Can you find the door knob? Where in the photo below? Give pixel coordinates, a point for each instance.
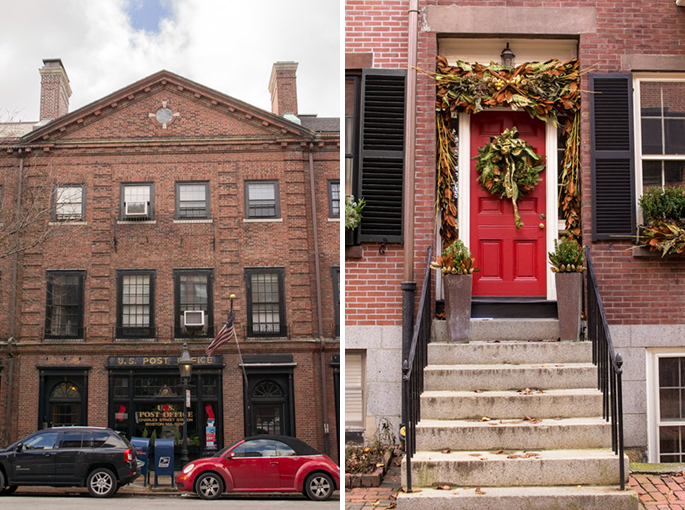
(542, 226)
(542, 216)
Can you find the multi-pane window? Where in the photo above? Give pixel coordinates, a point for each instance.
(137, 202)
(671, 409)
(192, 200)
(261, 199)
(265, 301)
(193, 289)
(64, 310)
(662, 125)
(135, 317)
(69, 203)
(351, 131)
(334, 199)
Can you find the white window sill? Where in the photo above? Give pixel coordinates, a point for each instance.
(144, 222)
(334, 220)
(199, 220)
(55, 223)
(262, 220)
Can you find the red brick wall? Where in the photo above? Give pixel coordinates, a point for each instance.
(635, 291)
(212, 141)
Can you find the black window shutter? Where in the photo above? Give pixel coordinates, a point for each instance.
(382, 154)
(613, 167)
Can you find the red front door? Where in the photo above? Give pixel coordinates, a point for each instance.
(512, 262)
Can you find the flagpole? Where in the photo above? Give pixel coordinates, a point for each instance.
(240, 354)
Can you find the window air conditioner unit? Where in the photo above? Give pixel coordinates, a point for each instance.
(194, 318)
(136, 209)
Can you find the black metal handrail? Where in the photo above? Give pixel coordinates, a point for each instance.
(609, 364)
(412, 369)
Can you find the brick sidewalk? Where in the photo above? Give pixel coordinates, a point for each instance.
(660, 492)
(656, 492)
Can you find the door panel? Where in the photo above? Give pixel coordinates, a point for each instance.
(512, 261)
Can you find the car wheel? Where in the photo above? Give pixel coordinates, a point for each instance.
(2, 482)
(101, 483)
(209, 486)
(319, 487)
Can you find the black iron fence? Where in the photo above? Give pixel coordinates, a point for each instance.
(608, 362)
(412, 369)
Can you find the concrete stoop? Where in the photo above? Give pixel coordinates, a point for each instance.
(513, 420)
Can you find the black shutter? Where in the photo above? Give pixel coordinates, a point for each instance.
(382, 154)
(613, 168)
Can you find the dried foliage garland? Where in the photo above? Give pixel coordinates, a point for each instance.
(544, 89)
(509, 167)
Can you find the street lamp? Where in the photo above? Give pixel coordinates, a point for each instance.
(185, 367)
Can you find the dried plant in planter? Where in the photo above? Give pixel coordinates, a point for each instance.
(664, 213)
(567, 256)
(455, 259)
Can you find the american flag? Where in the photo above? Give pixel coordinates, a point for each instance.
(224, 335)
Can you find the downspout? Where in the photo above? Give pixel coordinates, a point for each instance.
(319, 315)
(13, 304)
(408, 283)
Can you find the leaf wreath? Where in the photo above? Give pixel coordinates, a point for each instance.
(509, 167)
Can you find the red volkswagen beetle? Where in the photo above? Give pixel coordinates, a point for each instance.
(262, 464)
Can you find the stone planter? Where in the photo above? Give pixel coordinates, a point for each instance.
(458, 305)
(569, 304)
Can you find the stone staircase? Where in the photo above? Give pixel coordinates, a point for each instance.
(513, 420)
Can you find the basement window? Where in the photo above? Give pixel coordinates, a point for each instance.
(671, 408)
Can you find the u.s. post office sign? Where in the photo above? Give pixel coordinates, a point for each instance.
(161, 361)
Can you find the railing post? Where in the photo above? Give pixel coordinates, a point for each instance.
(619, 416)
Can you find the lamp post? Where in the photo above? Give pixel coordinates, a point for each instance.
(185, 367)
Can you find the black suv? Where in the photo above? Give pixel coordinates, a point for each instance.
(93, 457)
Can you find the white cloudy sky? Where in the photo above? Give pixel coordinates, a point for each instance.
(227, 45)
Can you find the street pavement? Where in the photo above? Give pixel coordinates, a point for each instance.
(665, 491)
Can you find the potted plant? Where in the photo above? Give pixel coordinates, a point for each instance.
(353, 216)
(664, 215)
(567, 263)
(456, 264)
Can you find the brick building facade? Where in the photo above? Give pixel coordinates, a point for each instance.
(643, 295)
(165, 197)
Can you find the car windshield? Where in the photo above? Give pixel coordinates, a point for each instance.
(225, 449)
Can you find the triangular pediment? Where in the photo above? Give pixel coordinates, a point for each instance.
(165, 106)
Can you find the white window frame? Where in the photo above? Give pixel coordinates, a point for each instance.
(352, 385)
(653, 401)
(58, 194)
(638, 78)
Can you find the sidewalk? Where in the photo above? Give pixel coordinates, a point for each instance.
(656, 492)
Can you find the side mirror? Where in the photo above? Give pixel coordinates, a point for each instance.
(19, 448)
(230, 455)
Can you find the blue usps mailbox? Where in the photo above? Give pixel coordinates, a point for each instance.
(164, 459)
(142, 446)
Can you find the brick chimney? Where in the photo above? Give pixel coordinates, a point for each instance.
(283, 88)
(54, 90)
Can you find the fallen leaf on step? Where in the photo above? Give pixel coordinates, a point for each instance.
(475, 454)
(535, 421)
(375, 503)
(579, 486)
(498, 452)
(558, 365)
(557, 419)
(513, 456)
(391, 505)
(478, 391)
(466, 488)
(447, 450)
(527, 418)
(493, 423)
(455, 492)
(444, 488)
(379, 464)
(480, 491)
(485, 418)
